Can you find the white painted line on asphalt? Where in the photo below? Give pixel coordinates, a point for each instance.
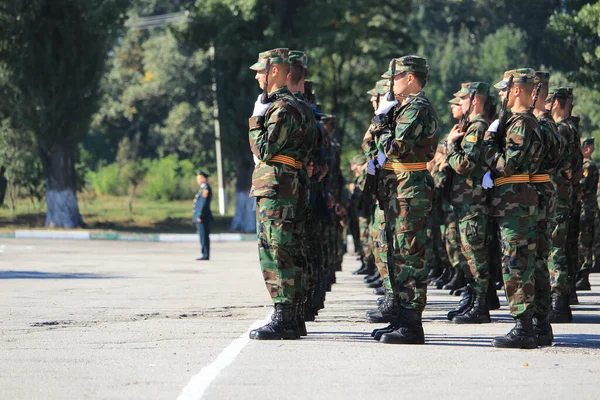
(199, 383)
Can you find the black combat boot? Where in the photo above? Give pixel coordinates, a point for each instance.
(443, 279)
(434, 273)
(299, 313)
(379, 291)
(408, 331)
(583, 283)
(309, 313)
(521, 336)
(479, 313)
(573, 299)
(363, 270)
(380, 300)
(463, 305)
(492, 297)
(457, 281)
(561, 312)
(375, 284)
(282, 326)
(371, 278)
(543, 331)
(385, 312)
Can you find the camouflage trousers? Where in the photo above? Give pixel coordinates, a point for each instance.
(380, 247)
(406, 221)
(572, 247)
(365, 238)
(314, 253)
(453, 244)
(586, 238)
(518, 239)
(546, 214)
(354, 227)
(557, 265)
(275, 228)
(299, 244)
(472, 227)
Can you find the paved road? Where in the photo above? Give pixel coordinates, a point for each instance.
(117, 320)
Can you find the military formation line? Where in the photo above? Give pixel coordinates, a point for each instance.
(506, 200)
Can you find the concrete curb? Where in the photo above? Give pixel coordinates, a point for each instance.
(125, 236)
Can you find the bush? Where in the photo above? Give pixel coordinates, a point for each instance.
(107, 180)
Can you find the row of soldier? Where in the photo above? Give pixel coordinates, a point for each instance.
(512, 184)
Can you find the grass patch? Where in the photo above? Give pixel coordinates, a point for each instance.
(112, 213)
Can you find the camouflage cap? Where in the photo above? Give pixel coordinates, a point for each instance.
(455, 101)
(298, 57)
(381, 87)
(557, 92)
(542, 77)
(587, 141)
(569, 92)
(407, 64)
(469, 87)
(520, 75)
(358, 159)
(276, 56)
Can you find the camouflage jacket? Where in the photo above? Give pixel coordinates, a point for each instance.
(280, 132)
(575, 150)
(555, 147)
(307, 153)
(410, 137)
(466, 158)
(589, 185)
(521, 156)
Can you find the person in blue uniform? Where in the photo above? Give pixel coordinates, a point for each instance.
(202, 215)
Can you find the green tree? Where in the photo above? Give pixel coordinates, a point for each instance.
(54, 52)
(580, 34)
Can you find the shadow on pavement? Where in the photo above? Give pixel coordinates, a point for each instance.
(52, 275)
(577, 341)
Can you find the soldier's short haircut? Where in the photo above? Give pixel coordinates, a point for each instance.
(526, 87)
(297, 73)
(562, 102)
(489, 109)
(421, 77)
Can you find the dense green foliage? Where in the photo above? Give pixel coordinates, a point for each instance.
(152, 126)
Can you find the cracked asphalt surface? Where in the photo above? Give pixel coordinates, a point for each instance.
(132, 320)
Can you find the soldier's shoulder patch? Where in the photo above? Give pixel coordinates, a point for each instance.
(205, 193)
(585, 173)
(471, 138)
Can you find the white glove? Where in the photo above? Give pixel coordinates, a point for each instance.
(494, 126)
(488, 182)
(256, 160)
(371, 167)
(259, 108)
(381, 158)
(385, 106)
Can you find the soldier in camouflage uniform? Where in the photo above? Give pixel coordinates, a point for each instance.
(514, 204)
(556, 103)
(589, 212)
(572, 249)
(357, 166)
(466, 158)
(303, 274)
(276, 132)
(385, 311)
(551, 165)
(405, 144)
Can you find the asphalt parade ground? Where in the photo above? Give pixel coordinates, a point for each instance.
(135, 320)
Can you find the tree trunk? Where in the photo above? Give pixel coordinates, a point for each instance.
(61, 198)
(244, 219)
